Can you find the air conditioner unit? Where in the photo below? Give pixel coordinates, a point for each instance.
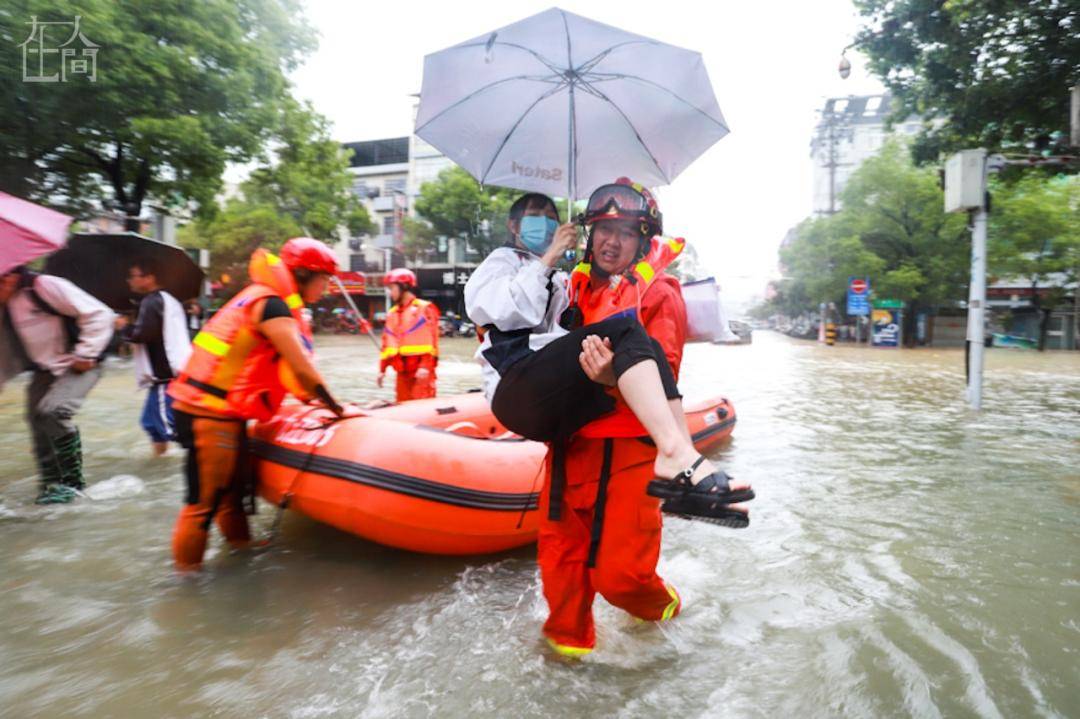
(355, 245)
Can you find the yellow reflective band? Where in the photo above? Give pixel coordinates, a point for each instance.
(568, 651)
(645, 270)
(675, 244)
(272, 259)
(584, 268)
(294, 301)
(211, 344)
(669, 610)
(417, 349)
(388, 352)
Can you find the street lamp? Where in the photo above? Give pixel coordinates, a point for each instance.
(844, 68)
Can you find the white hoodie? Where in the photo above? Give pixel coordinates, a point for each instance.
(510, 290)
(43, 335)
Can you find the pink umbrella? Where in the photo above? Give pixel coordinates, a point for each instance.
(28, 231)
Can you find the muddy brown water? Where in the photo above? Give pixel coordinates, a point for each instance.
(907, 557)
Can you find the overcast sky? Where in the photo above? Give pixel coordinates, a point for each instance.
(772, 63)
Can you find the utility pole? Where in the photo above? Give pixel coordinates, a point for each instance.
(835, 127)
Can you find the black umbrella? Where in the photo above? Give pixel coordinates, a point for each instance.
(100, 264)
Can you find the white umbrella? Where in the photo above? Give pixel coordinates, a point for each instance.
(561, 104)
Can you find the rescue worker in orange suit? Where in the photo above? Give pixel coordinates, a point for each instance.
(600, 530)
(410, 339)
(256, 349)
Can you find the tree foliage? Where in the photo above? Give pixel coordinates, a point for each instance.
(304, 191)
(181, 89)
(456, 205)
(892, 228)
(996, 72)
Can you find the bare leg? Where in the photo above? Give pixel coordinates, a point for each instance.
(643, 391)
(160, 448)
(680, 418)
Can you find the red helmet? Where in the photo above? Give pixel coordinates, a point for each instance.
(308, 254)
(401, 276)
(625, 200)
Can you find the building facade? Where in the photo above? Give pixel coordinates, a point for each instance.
(849, 130)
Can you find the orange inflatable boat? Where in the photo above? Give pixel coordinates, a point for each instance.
(439, 476)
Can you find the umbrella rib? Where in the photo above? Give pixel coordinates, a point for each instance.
(633, 129)
(514, 128)
(571, 160)
(605, 76)
(548, 64)
(474, 93)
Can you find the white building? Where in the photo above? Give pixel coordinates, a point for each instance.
(850, 130)
(380, 170)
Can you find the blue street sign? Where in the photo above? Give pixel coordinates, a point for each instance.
(858, 296)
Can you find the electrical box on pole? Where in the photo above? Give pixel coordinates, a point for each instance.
(965, 180)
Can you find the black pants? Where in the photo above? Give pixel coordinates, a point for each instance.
(546, 396)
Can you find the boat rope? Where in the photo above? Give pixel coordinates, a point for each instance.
(286, 497)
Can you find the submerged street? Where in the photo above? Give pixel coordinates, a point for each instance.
(903, 552)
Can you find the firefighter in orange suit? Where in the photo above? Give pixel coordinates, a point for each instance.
(410, 340)
(606, 537)
(255, 350)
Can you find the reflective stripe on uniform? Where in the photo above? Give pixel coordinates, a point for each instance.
(388, 352)
(417, 349)
(645, 270)
(294, 301)
(211, 344)
(670, 609)
(568, 651)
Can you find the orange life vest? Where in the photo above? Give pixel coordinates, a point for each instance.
(410, 331)
(233, 369)
(621, 298)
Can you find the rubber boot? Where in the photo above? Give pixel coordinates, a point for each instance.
(69, 457)
(53, 490)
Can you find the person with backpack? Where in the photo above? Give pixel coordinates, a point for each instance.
(63, 332)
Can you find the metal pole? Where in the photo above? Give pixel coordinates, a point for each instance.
(976, 323)
(349, 300)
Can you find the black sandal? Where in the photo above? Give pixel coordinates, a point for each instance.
(701, 494)
(720, 514)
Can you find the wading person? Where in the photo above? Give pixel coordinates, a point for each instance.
(162, 347)
(600, 531)
(410, 339)
(63, 332)
(248, 356)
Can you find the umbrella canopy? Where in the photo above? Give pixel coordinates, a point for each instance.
(99, 264)
(28, 231)
(561, 104)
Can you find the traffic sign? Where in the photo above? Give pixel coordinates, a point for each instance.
(858, 296)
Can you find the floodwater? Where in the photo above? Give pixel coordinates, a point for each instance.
(907, 557)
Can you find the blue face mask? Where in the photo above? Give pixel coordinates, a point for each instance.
(536, 232)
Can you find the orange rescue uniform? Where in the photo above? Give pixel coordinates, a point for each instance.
(234, 374)
(410, 342)
(608, 459)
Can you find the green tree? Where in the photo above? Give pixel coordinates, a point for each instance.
(1035, 234)
(310, 180)
(456, 205)
(897, 212)
(892, 228)
(420, 238)
(306, 191)
(233, 233)
(181, 89)
(997, 72)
